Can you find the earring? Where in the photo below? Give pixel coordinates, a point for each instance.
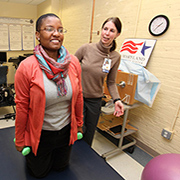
(38, 39)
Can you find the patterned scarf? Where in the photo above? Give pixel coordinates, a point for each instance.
(55, 71)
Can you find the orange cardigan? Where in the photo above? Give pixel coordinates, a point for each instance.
(30, 102)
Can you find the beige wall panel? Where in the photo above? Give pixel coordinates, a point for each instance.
(164, 62)
(76, 18)
(16, 10)
(44, 7)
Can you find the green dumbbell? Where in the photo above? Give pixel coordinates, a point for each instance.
(25, 151)
(79, 135)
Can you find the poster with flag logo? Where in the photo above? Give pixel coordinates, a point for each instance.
(137, 50)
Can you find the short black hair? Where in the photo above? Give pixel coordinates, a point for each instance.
(40, 19)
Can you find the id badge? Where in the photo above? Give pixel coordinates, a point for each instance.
(106, 65)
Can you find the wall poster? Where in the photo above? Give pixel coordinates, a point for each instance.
(16, 34)
(4, 41)
(137, 50)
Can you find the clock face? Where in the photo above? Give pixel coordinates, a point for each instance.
(158, 25)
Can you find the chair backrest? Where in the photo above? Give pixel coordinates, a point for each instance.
(3, 74)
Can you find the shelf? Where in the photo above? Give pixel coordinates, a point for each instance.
(127, 133)
(109, 108)
(107, 120)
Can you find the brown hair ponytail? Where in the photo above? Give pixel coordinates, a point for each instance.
(118, 25)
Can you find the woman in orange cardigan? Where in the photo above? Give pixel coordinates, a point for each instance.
(49, 103)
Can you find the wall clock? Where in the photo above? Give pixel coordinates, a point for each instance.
(158, 25)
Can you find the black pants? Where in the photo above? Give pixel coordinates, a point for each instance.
(53, 153)
(91, 111)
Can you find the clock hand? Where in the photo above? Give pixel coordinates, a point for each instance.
(158, 26)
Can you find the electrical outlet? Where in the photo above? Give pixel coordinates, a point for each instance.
(167, 133)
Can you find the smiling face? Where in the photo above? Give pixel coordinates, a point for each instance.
(51, 41)
(109, 33)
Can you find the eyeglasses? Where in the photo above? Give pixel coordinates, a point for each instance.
(52, 30)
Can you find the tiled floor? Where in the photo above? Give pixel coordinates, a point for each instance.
(124, 163)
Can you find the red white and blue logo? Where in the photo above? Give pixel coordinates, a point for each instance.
(137, 50)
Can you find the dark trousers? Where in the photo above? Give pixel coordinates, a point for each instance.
(53, 153)
(91, 112)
